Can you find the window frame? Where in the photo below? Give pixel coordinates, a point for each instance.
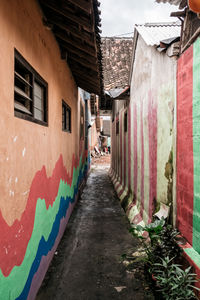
(36, 78)
(67, 107)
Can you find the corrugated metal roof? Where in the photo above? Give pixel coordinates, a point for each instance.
(173, 2)
(153, 33)
(181, 3)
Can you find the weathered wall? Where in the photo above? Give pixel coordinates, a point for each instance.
(188, 150)
(106, 127)
(142, 156)
(41, 167)
(94, 136)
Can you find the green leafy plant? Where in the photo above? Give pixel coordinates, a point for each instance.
(153, 229)
(167, 245)
(173, 282)
(162, 251)
(162, 239)
(151, 239)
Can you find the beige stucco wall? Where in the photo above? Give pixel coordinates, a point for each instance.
(25, 146)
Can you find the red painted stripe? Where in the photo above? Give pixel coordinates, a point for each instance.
(152, 121)
(142, 160)
(129, 148)
(42, 187)
(135, 152)
(185, 172)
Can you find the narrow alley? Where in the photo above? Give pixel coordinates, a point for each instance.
(87, 264)
(100, 143)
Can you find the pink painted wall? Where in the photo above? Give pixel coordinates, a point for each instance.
(185, 144)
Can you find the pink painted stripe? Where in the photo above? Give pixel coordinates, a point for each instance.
(120, 123)
(152, 120)
(117, 152)
(129, 207)
(121, 192)
(125, 133)
(142, 160)
(115, 147)
(129, 148)
(135, 153)
(117, 186)
(137, 219)
(112, 147)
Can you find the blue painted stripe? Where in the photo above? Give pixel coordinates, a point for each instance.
(46, 246)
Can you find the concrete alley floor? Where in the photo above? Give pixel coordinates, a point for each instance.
(87, 264)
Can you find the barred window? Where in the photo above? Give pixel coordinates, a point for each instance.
(66, 117)
(30, 92)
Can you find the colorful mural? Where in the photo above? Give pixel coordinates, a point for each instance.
(29, 244)
(133, 161)
(188, 148)
(140, 154)
(142, 157)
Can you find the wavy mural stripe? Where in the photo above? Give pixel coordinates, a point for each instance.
(45, 260)
(48, 214)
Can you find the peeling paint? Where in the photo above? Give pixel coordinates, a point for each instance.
(169, 175)
(25, 193)
(11, 193)
(23, 152)
(15, 139)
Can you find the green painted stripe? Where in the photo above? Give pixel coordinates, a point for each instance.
(194, 255)
(196, 145)
(12, 286)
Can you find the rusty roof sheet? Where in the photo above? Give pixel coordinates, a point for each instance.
(117, 54)
(153, 33)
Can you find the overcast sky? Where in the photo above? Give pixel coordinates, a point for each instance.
(119, 16)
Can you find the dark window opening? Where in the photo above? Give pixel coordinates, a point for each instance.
(117, 127)
(81, 122)
(125, 122)
(66, 117)
(30, 92)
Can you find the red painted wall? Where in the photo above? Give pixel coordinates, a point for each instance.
(185, 144)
